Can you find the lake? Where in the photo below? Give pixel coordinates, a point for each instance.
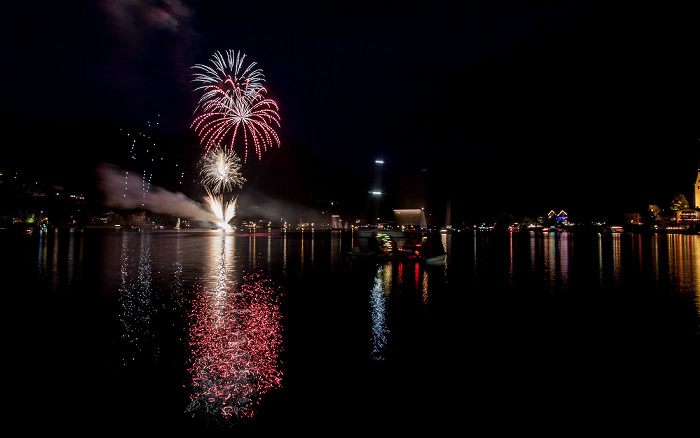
(201, 330)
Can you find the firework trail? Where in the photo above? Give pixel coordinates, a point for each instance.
(233, 105)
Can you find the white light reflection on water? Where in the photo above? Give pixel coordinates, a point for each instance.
(180, 251)
(71, 259)
(41, 266)
(335, 249)
(64, 269)
(269, 251)
(135, 292)
(600, 260)
(301, 257)
(234, 340)
(54, 262)
(617, 256)
(313, 248)
(377, 301)
(556, 260)
(447, 247)
(284, 253)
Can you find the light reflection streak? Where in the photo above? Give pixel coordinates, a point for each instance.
(41, 265)
(533, 253)
(695, 269)
(284, 253)
(312, 248)
(556, 260)
(178, 265)
(135, 299)
(617, 256)
(416, 272)
(54, 263)
(600, 259)
(235, 340)
(377, 303)
(70, 261)
(64, 268)
(335, 249)
(684, 265)
(447, 247)
(475, 252)
(301, 257)
(563, 261)
(549, 249)
(510, 269)
(252, 253)
(269, 250)
(655, 257)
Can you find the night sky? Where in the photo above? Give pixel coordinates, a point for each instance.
(564, 103)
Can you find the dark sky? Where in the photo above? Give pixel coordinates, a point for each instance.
(583, 95)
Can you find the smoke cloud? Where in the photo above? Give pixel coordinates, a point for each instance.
(124, 190)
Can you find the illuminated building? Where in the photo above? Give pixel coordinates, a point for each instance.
(561, 217)
(697, 190)
(335, 221)
(410, 218)
(633, 218)
(685, 216)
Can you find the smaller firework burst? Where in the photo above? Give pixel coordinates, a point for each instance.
(221, 172)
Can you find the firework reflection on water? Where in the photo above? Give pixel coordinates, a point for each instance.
(234, 339)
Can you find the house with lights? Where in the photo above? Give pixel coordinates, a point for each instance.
(561, 218)
(679, 219)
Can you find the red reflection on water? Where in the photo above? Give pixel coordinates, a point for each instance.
(417, 275)
(235, 339)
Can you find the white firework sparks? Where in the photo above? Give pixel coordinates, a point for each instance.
(227, 79)
(222, 209)
(221, 171)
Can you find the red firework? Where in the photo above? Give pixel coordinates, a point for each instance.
(233, 105)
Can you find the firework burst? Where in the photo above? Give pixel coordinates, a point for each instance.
(221, 171)
(227, 79)
(224, 124)
(233, 105)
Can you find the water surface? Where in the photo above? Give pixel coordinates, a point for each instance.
(204, 330)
